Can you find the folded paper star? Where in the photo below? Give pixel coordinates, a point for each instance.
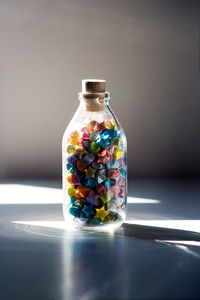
(88, 210)
(101, 213)
(90, 172)
(92, 198)
(81, 191)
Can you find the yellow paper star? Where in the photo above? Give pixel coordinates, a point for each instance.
(101, 213)
(118, 153)
(90, 172)
(110, 124)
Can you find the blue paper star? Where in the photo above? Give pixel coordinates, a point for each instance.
(88, 210)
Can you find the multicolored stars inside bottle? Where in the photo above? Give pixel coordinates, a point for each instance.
(94, 162)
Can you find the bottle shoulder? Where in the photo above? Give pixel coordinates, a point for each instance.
(81, 118)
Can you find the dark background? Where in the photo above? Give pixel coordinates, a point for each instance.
(147, 50)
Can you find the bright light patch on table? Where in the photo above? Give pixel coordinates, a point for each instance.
(136, 200)
(188, 243)
(27, 194)
(189, 225)
(48, 224)
(63, 225)
(183, 246)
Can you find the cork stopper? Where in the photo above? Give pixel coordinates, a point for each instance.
(93, 93)
(93, 86)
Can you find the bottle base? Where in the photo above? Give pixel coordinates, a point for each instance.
(78, 224)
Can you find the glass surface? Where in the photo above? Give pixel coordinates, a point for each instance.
(94, 166)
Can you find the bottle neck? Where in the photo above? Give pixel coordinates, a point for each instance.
(94, 102)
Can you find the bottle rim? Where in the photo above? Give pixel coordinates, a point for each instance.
(94, 96)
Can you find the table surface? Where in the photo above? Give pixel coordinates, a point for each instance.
(154, 255)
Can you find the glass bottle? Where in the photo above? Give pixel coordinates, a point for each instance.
(94, 151)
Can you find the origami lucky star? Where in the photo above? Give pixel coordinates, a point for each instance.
(90, 172)
(88, 210)
(101, 213)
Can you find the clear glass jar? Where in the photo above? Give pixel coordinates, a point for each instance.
(94, 150)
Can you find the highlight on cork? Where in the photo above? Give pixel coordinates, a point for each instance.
(93, 86)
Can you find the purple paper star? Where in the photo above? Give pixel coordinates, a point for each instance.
(92, 198)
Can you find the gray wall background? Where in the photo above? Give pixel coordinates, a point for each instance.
(148, 51)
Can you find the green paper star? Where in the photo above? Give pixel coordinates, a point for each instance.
(106, 198)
